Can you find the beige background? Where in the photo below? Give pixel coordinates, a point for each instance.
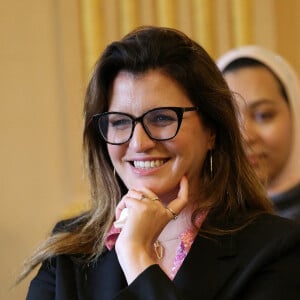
(47, 49)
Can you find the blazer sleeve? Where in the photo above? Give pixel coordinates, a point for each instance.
(43, 285)
(56, 279)
(48, 282)
(152, 284)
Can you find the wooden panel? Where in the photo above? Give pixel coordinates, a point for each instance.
(288, 30)
(242, 12)
(203, 19)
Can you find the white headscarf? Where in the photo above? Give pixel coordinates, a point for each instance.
(290, 80)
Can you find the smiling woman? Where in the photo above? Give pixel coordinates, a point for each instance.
(172, 190)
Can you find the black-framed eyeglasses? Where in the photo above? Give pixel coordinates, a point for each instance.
(160, 124)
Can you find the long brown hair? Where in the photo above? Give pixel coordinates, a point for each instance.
(232, 193)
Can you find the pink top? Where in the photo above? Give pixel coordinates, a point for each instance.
(187, 238)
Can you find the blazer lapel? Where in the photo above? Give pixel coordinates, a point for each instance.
(212, 260)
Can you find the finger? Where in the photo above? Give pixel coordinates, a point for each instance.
(148, 194)
(178, 204)
(132, 195)
(139, 195)
(121, 205)
(172, 212)
(184, 188)
(124, 203)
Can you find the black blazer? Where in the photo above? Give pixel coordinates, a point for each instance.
(260, 262)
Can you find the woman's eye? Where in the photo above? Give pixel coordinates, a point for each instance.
(161, 119)
(120, 123)
(264, 116)
(164, 118)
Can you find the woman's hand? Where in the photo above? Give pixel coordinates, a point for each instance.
(146, 219)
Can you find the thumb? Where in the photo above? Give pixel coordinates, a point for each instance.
(178, 204)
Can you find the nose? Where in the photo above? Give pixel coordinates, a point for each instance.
(140, 141)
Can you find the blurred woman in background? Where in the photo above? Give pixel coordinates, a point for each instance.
(267, 91)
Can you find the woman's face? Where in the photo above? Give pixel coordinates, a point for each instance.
(157, 165)
(265, 120)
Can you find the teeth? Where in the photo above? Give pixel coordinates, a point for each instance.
(147, 164)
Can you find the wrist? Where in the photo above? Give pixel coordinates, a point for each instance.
(134, 261)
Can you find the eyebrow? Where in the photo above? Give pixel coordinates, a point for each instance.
(262, 101)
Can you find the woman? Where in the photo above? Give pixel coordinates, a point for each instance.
(268, 95)
(177, 211)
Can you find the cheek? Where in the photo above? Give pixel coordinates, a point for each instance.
(115, 152)
(192, 150)
(110, 150)
(279, 150)
(277, 145)
(278, 135)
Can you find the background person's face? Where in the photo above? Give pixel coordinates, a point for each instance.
(166, 161)
(265, 120)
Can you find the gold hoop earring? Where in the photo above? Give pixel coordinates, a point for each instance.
(114, 172)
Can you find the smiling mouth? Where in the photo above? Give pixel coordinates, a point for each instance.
(148, 164)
